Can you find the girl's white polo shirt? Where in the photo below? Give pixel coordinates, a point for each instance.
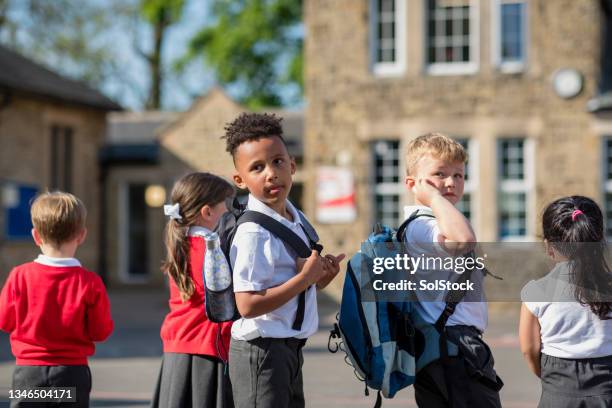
(567, 328)
(259, 261)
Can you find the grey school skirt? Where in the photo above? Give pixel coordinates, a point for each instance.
(576, 383)
(192, 381)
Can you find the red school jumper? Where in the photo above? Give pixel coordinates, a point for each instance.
(54, 314)
(186, 328)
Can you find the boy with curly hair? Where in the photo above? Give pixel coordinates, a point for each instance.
(266, 346)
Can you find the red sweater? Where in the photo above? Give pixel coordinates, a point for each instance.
(54, 314)
(186, 328)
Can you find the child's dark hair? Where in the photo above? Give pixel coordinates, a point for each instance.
(574, 227)
(191, 193)
(251, 126)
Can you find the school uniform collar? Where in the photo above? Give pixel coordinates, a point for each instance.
(57, 262)
(256, 205)
(198, 231)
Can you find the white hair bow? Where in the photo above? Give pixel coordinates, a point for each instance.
(172, 211)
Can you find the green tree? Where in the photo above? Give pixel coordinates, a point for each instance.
(66, 35)
(254, 46)
(160, 14)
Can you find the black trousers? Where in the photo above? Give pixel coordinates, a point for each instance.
(466, 381)
(53, 376)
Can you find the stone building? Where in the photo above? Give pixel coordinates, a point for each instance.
(50, 131)
(523, 84)
(145, 153)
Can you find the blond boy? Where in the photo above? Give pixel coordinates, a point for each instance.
(53, 308)
(435, 175)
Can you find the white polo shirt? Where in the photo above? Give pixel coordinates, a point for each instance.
(567, 328)
(260, 260)
(425, 230)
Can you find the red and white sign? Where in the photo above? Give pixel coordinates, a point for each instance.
(335, 196)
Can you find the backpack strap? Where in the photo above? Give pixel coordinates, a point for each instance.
(282, 232)
(290, 239)
(310, 232)
(401, 231)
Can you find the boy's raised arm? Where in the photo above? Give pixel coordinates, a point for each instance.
(457, 234)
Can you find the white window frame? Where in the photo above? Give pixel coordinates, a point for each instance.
(605, 181)
(455, 68)
(518, 186)
(388, 188)
(398, 67)
(508, 67)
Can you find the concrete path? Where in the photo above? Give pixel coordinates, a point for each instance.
(125, 367)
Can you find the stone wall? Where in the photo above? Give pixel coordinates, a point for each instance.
(348, 106)
(25, 137)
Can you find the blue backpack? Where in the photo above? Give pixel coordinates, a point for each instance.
(387, 343)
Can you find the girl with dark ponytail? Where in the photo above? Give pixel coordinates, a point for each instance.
(566, 318)
(195, 349)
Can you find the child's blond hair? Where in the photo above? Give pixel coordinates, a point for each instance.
(438, 145)
(58, 216)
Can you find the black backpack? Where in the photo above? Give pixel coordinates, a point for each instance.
(226, 229)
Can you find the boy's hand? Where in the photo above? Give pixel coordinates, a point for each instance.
(299, 264)
(332, 267)
(312, 268)
(425, 191)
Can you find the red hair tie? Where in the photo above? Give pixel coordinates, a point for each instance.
(575, 214)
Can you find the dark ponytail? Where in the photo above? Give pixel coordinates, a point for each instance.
(191, 193)
(574, 227)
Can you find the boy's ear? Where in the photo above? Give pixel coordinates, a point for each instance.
(293, 165)
(36, 237)
(82, 235)
(410, 182)
(238, 181)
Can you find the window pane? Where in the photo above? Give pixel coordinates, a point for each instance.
(609, 214)
(512, 31)
(512, 159)
(385, 41)
(448, 30)
(387, 209)
(513, 214)
(387, 171)
(61, 159)
(609, 158)
(137, 231)
(466, 145)
(464, 205)
(386, 160)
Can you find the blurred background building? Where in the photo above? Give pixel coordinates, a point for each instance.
(50, 131)
(525, 86)
(144, 154)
